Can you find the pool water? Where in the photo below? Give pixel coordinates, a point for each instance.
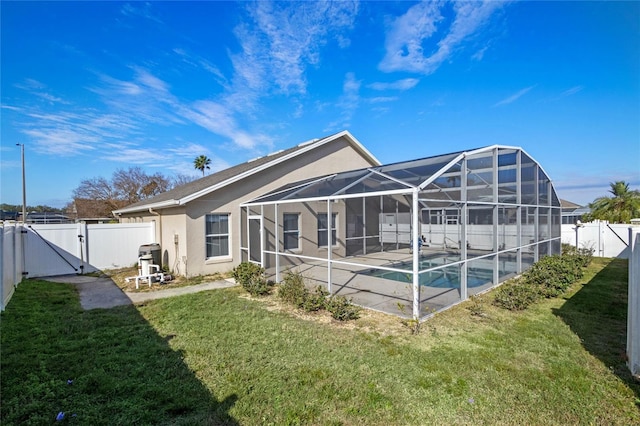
(438, 279)
(441, 278)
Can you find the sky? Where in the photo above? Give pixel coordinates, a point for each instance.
(92, 87)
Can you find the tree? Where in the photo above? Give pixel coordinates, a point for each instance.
(180, 179)
(125, 187)
(202, 162)
(133, 184)
(619, 208)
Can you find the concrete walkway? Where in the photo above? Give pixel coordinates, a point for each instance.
(102, 292)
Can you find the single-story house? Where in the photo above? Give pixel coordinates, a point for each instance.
(572, 212)
(199, 224)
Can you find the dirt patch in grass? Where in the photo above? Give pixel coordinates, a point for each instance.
(374, 322)
(119, 276)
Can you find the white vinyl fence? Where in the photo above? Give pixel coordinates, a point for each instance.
(633, 317)
(58, 249)
(607, 240)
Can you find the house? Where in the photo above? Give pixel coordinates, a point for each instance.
(89, 211)
(199, 224)
(572, 212)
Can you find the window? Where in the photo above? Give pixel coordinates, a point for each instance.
(217, 235)
(323, 227)
(291, 230)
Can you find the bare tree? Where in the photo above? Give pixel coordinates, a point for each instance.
(180, 179)
(98, 189)
(127, 186)
(133, 184)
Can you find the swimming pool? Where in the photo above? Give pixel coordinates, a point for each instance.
(448, 277)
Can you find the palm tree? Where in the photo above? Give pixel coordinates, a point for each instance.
(619, 208)
(202, 162)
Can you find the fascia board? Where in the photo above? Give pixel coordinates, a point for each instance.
(158, 205)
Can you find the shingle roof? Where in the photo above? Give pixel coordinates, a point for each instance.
(185, 193)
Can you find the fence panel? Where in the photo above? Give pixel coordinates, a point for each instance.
(11, 261)
(607, 240)
(633, 316)
(52, 250)
(59, 249)
(116, 245)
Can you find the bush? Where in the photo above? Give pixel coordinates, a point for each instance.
(516, 295)
(551, 276)
(292, 289)
(251, 277)
(258, 286)
(316, 300)
(554, 274)
(342, 309)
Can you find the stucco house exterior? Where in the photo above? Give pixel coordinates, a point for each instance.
(199, 225)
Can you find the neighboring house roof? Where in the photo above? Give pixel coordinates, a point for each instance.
(567, 205)
(84, 208)
(198, 188)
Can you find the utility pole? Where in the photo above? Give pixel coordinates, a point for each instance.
(24, 186)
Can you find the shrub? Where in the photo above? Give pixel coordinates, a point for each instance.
(292, 289)
(554, 274)
(258, 286)
(315, 300)
(342, 309)
(516, 295)
(251, 277)
(583, 255)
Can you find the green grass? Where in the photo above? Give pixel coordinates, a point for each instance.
(219, 357)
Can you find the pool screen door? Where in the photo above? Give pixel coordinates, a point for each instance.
(255, 239)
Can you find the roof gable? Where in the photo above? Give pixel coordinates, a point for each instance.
(200, 187)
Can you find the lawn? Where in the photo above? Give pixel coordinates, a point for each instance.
(220, 357)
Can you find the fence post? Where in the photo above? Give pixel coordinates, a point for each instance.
(2, 274)
(633, 316)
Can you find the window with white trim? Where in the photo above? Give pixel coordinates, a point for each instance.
(323, 228)
(217, 234)
(291, 231)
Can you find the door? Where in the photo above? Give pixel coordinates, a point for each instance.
(255, 239)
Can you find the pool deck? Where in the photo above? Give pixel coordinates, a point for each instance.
(386, 295)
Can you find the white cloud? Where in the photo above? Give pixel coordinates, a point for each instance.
(348, 103)
(285, 38)
(404, 84)
(407, 34)
(572, 91)
(514, 97)
(39, 89)
(381, 99)
(140, 9)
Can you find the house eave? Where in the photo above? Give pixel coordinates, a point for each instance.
(146, 207)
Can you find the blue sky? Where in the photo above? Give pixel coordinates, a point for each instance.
(92, 87)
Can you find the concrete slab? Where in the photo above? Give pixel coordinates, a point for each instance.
(102, 292)
(95, 292)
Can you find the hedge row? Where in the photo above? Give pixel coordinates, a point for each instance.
(294, 291)
(551, 276)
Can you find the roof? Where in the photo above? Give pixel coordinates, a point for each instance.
(568, 204)
(200, 187)
(430, 174)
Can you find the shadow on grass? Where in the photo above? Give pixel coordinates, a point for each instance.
(597, 313)
(104, 366)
